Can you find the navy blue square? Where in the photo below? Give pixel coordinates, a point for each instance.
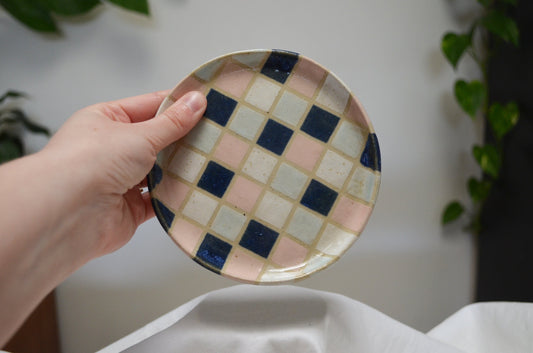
(213, 251)
(279, 65)
(258, 238)
(274, 137)
(164, 215)
(320, 124)
(371, 156)
(215, 179)
(219, 107)
(319, 197)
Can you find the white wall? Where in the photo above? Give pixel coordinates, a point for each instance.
(386, 51)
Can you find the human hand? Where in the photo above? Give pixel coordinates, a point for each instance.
(80, 197)
(113, 146)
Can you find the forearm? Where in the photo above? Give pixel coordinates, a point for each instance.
(35, 254)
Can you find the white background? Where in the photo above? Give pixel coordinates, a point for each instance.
(405, 264)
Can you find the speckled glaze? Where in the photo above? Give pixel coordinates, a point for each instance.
(280, 176)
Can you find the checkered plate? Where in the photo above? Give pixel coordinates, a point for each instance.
(279, 177)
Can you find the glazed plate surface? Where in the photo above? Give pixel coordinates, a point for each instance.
(279, 177)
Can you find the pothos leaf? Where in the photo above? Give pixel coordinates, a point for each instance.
(488, 159)
(454, 45)
(31, 13)
(478, 189)
(502, 26)
(69, 7)
(470, 95)
(503, 118)
(452, 211)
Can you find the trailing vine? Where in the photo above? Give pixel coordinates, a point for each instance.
(472, 97)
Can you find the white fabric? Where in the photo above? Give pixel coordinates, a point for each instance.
(292, 319)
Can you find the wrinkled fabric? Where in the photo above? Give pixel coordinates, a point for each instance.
(293, 319)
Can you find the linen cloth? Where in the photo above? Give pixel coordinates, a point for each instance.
(258, 319)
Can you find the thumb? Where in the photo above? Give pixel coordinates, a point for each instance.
(176, 121)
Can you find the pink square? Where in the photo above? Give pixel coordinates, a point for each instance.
(289, 253)
(357, 114)
(351, 214)
(304, 152)
(244, 193)
(171, 192)
(186, 235)
(231, 150)
(185, 86)
(234, 79)
(243, 266)
(306, 77)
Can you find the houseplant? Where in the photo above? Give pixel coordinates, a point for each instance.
(481, 41)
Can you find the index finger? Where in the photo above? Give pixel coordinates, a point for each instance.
(142, 107)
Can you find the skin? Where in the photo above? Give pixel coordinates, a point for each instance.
(80, 197)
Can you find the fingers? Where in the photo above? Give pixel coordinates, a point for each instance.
(138, 108)
(176, 121)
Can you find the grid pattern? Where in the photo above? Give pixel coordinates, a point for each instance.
(278, 179)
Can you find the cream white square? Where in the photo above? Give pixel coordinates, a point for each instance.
(334, 241)
(259, 165)
(247, 122)
(187, 164)
(207, 72)
(304, 225)
(273, 209)
(290, 108)
(262, 94)
(350, 139)
(228, 223)
(200, 207)
(333, 94)
(362, 184)
(252, 59)
(289, 181)
(334, 169)
(273, 274)
(317, 262)
(203, 136)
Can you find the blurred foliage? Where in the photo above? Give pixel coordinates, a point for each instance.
(40, 15)
(13, 121)
(472, 97)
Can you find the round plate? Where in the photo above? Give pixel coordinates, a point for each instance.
(279, 177)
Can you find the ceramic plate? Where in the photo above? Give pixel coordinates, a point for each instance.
(279, 177)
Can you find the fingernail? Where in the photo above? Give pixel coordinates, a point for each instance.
(194, 100)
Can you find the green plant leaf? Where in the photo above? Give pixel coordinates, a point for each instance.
(12, 94)
(10, 148)
(502, 26)
(453, 211)
(454, 45)
(503, 118)
(31, 13)
(69, 7)
(470, 95)
(488, 158)
(510, 2)
(140, 6)
(18, 115)
(478, 189)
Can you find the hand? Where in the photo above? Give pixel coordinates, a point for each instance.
(113, 146)
(80, 197)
